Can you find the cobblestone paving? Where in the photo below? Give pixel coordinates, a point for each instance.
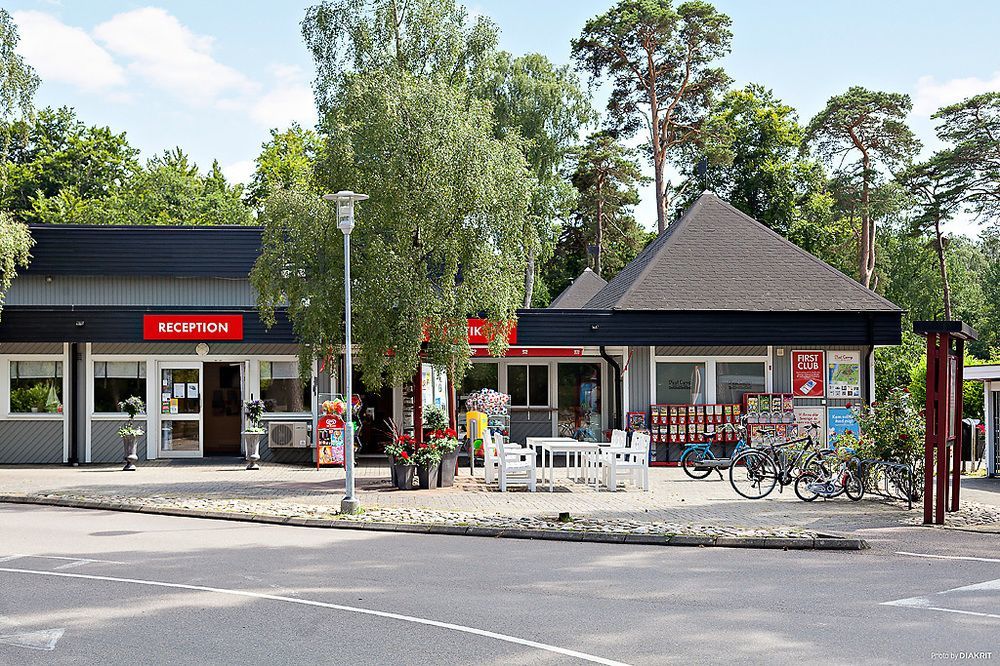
(673, 500)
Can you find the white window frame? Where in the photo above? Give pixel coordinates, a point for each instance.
(549, 383)
(253, 385)
(5, 413)
(711, 376)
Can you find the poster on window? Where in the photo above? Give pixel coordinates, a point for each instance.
(807, 374)
(843, 374)
(839, 421)
(811, 415)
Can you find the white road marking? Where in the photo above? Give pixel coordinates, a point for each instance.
(948, 557)
(71, 562)
(45, 639)
(321, 604)
(927, 602)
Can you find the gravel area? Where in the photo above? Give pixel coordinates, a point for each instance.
(970, 514)
(412, 516)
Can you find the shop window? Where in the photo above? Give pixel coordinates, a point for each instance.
(528, 385)
(36, 387)
(579, 390)
(281, 388)
(435, 386)
(735, 379)
(116, 381)
(480, 376)
(680, 383)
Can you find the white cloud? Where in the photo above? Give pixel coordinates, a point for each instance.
(289, 99)
(65, 54)
(239, 172)
(166, 54)
(932, 95)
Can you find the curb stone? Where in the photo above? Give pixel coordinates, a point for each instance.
(826, 542)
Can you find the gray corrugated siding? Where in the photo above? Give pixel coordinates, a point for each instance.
(730, 350)
(31, 348)
(23, 442)
(538, 425)
(638, 379)
(106, 445)
(98, 290)
(188, 348)
(782, 370)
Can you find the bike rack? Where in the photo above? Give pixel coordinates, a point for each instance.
(888, 471)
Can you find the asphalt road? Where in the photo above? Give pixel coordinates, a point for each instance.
(120, 588)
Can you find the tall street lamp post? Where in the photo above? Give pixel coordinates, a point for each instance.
(345, 222)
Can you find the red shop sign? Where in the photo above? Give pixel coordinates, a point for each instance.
(192, 327)
(532, 351)
(807, 374)
(478, 337)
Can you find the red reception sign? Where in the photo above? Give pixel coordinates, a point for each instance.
(808, 369)
(192, 327)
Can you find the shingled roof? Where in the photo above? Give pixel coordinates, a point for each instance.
(579, 291)
(716, 257)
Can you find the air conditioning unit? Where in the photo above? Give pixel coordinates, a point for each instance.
(288, 435)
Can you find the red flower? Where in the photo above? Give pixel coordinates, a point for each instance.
(849, 405)
(903, 436)
(404, 455)
(450, 433)
(906, 390)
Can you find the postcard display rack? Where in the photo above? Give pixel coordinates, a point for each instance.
(676, 426)
(771, 412)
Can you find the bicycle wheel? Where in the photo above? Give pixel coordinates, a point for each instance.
(690, 460)
(854, 487)
(816, 463)
(802, 486)
(753, 474)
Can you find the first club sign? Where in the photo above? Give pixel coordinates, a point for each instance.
(181, 327)
(808, 369)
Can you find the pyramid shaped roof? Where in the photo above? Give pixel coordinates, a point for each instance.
(579, 291)
(715, 257)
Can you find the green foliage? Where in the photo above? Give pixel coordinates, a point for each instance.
(972, 127)
(892, 428)
(29, 398)
(133, 406)
(439, 240)
(659, 60)
(15, 251)
(287, 161)
(435, 417)
(18, 83)
(972, 391)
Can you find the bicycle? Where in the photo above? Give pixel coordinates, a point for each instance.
(698, 461)
(755, 472)
(829, 483)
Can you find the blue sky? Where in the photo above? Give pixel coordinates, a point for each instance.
(213, 77)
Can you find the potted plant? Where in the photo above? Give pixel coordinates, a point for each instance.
(401, 452)
(428, 459)
(254, 432)
(447, 442)
(130, 432)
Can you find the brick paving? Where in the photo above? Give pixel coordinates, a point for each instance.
(672, 497)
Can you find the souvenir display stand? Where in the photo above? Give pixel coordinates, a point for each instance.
(675, 426)
(771, 412)
(331, 428)
(494, 405)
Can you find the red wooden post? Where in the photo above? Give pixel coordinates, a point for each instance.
(418, 405)
(956, 459)
(930, 441)
(941, 429)
(452, 404)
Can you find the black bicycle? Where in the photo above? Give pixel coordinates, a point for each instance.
(756, 472)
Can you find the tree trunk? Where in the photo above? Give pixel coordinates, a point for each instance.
(659, 161)
(600, 226)
(529, 277)
(866, 244)
(943, 268)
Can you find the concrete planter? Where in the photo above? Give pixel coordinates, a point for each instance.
(402, 475)
(251, 446)
(427, 477)
(129, 444)
(446, 476)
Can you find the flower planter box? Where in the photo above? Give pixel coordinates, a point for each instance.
(446, 475)
(427, 477)
(402, 475)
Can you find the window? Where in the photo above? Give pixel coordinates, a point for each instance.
(528, 385)
(680, 383)
(115, 381)
(480, 376)
(36, 386)
(281, 388)
(580, 401)
(735, 379)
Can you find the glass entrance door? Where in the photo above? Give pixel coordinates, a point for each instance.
(180, 410)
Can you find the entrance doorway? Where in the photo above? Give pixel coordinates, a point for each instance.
(223, 408)
(376, 409)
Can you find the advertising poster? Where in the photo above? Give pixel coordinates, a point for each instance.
(843, 374)
(180, 390)
(192, 390)
(807, 374)
(812, 415)
(839, 420)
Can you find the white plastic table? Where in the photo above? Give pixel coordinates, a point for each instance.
(567, 445)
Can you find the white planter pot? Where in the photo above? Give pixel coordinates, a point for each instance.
(129, 443)
(251, 446)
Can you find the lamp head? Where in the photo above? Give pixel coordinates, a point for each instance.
(345, 208)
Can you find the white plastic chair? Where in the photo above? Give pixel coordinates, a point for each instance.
(491, 453)
(629, 462)
(516, 463)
